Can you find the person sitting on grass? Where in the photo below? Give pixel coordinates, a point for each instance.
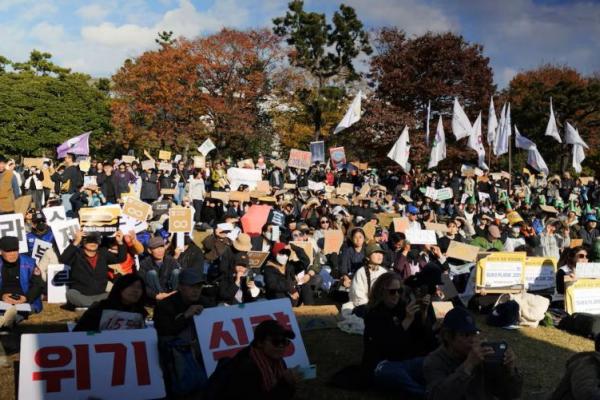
(159, 271)
(365, 278)
(89, 267)
(20, 281)
(123, 309)
(460, 369)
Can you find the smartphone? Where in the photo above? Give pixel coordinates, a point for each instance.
(309, 372)
(499, 351)
(15, 296)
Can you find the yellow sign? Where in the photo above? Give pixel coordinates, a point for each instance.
(583, 296)
(501, 272)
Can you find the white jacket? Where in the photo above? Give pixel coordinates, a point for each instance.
(196, 189)
(359, 290)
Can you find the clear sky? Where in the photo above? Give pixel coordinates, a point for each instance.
(96, 36)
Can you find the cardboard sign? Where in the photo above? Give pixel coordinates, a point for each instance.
(59, 276)
(128, 159)
(257, 258)
(576, 243)
(64, 232)
(136, 209)
(164, 155)
(206, 147)
(337, 155)
(289, 186)
(421, 236)
(441, 308)
(316, 186)
(54, 214)
(299, 159)
(344, 189)
(126, 224)
(400, 224)
(77, 365)
(540, 273)
(165, 166)
(307, 247)
(199, 162)
(171, 192)
(263, 186)
(14, 225)
(585, 180)
(317, 151)
(243, 176)
(239, 196)
(223, 196)
(247, 163)
(39, 249)
(333, 241)
(588, 270)
(436, 227)
(501, 272)
(33, 162)
(148, 165)
(223, 331)
(103, 219)
(85, 165)
(583, 296)
(369, 228)
(444, 194)
(462, 251)
(549, 209)
(22, 204)
(180, 220)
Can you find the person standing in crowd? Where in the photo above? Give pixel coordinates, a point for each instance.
(197, 192)
(9, 187)
(89, 267)
(458, 369)
(122, 179)
(71, 181)
(150, 187)
(159, 271)
(34, 186)
(106, 183)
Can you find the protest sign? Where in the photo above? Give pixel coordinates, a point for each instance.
(136, 209)
(223, 196)
(344, 189)
(430, 192)
(289, 186)
(199, 162)
(369, 228)
(59, 275)
(436, 227)
(223, 331)
(441, 308)
(180, 220)
(64, 232)
(444, 194)
(126, 224)
(85, 165)
(333, 241)
(164, 155)
(299, 159)
(337, 156)
(540, 273)
(400, 224)
(103, 219)
(263, 186)
(90, 181)
(165, 166)
(14, 225)
(575, 243)
(257, 258)
(39, 248)
(548, 209)
(247, 163)
(54, 214)
(316, 186)
(206, 147)
(583, 296)
(128, 159)
(74, 365)
(22, 204)
(483, 196)
(317, 151)
(501, 272)
(148, 165)
(588, 270)
(462, 251)
(421, 236)
(304, 245)
(243, 176)
(276, 218)
(585, 180)
(33, 162)
(239, 196)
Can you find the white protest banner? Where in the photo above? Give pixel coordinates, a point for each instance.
(500, 272)
(483, 196)
(540, 273)
(444, 194)
(206, 147)
(59, 276)
(54, 214)
(430, 192)
(14, 225)
(79, 365)
(583, 296)
(588, 270)
(148, 165)
(464, 198)
(39, 248)
(316, 186)
(223, 331)
(90, 181)
(64, 232)
(127, 224)
(421, 236)
(243, 176)
(299, 159)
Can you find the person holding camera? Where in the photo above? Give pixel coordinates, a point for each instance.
(465, 368)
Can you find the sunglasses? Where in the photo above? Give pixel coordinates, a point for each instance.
(582, 255)
(325, 222)
(280, 342)
(394, 291)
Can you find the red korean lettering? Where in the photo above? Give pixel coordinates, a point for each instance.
(141, 363)
(53, 357)
(218, 334)
(240, 328)
(82, 364)
(119, 360)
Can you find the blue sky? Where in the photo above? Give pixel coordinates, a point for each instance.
(96, 36)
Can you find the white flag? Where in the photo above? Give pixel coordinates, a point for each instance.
(438, 150)
(427, 123)
(551, 128)
(401, 149)
(352, 115)
(578, 157)
(476, 142)
(534, 158)
(504, 132)
(461, 126)
(206, 147)
(492, 123)
(572, 136)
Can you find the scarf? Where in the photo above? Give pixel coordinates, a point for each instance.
(270, 370)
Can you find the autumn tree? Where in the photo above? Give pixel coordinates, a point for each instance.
(325, 53)
(575, 99)
(409, 72)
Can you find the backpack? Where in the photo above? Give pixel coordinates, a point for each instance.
(504, 314)
(582, 324)
(183, 373)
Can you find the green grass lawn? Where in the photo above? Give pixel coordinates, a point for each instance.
(541, 353)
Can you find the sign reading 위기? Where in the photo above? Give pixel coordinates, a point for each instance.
(77, 365)
(223, 331)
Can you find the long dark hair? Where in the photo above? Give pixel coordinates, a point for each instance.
(379, 287)
(123, 282)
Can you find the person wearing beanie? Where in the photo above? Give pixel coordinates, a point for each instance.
(365, 277)
(159, 271)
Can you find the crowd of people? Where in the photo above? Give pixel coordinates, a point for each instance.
(380, 277)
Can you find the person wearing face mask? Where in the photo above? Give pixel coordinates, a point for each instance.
(265, 241)
(39, 231)
(515, 238)
(365, 277)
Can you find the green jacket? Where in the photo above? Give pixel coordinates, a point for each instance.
(484, 244)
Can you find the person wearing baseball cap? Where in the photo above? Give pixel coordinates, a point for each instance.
(590, 232)
(39, 231)
(412, 213)
(21, 281)
(365, 277)
(491, 240)
(159, 271)
(459, 365)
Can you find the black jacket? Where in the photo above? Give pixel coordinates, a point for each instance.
(90, 320)
(164, 273)
(192, 257)
(149, 189)
(168, 314)
(87, 280)
(107, 186)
